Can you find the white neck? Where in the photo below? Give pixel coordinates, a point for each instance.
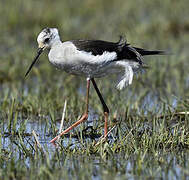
(55, 42)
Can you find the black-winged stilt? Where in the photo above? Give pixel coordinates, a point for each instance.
(92, 59)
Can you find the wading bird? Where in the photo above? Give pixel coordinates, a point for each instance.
(92, 59)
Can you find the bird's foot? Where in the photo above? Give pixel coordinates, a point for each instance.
(83, 118)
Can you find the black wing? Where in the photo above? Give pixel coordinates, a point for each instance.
(122, 49)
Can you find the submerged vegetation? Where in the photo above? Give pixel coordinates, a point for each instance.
(149, 120)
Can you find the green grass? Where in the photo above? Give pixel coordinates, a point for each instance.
(150, 139)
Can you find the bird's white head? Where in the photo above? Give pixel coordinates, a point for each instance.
(47, 37)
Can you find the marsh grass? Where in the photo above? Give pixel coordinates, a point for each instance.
(150, 138)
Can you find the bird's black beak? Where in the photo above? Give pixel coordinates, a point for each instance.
(39, 51)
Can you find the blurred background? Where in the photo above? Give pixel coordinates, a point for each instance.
(162, 25)
(149, 140)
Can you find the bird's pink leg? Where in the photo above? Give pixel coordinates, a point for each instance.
(105, 108)
(83, 118)
(105, 124)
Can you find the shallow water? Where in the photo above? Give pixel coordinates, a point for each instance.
(121, 164)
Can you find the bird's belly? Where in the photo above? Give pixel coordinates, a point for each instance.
(87, 69)
(92, 68)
